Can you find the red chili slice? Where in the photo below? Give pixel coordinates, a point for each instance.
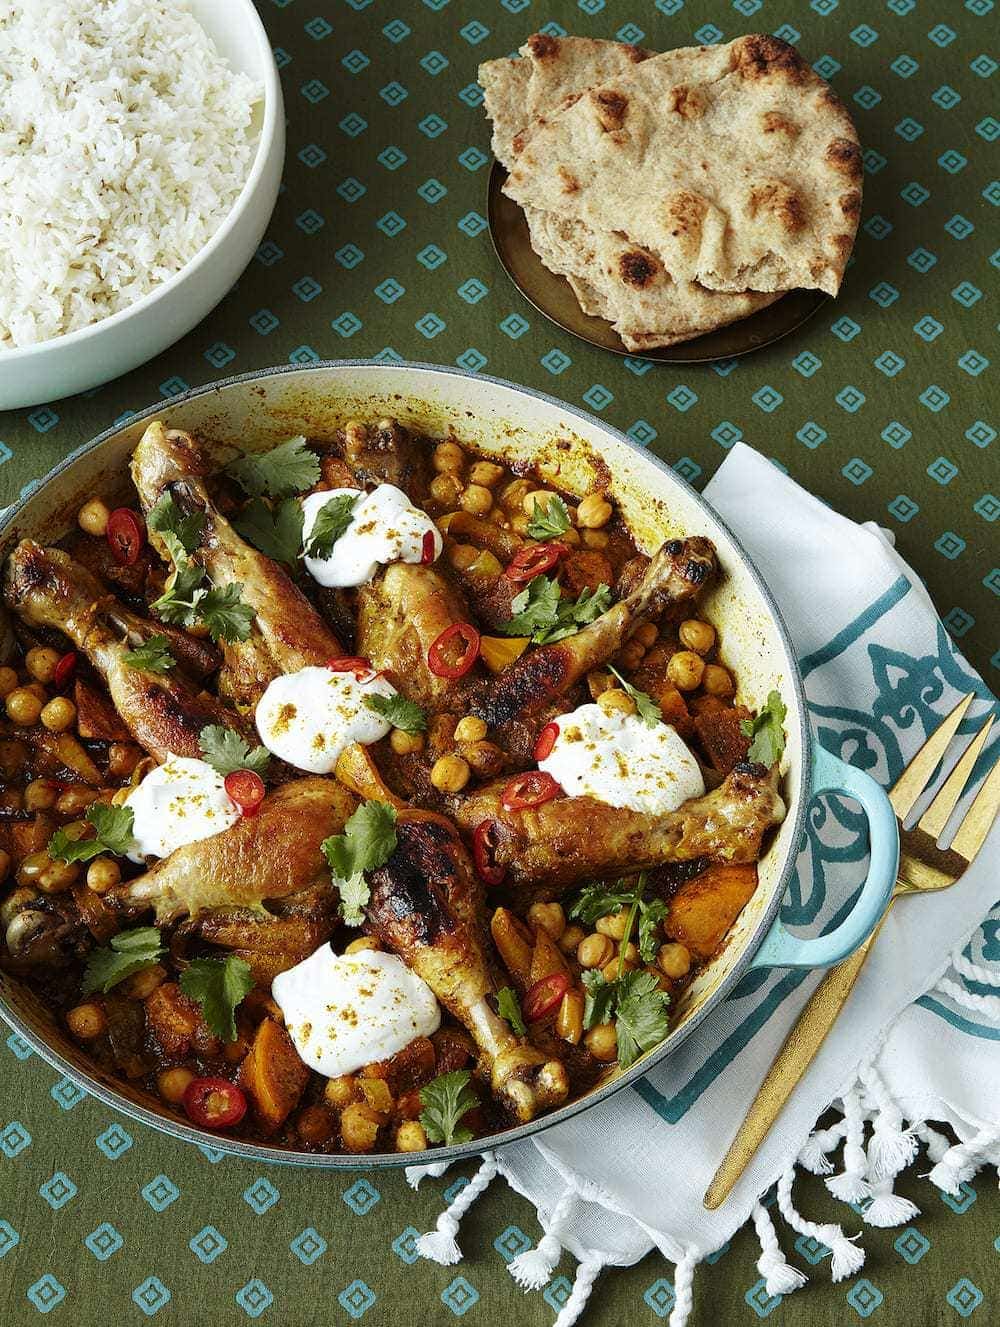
(353, 663)
(246, 789)
(543, 997)
(530, 562)
(428, 548)
(214, 1103)
(531, 789)
(483, 845)
(546, 741)
(64, 669)
(442, 661)
(126, 535)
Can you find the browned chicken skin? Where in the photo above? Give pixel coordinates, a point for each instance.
(426, 905)
(164, 712)
(549, 849)
(288, 632)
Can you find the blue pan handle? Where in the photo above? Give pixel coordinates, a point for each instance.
(783, 950)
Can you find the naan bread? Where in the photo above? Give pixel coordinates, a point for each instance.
(736, 166)
(611, 278)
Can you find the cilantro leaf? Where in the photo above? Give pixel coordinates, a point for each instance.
(128, 952)
(179, 602)
(226, 751)
(445, 1100)
(398, 711)
(166, 518)
(218, 986)
(284, 470)
(585, 609)
(112, 833)
(276, 532)
(766, 732)
(599, 998)
(330, 523)
(152, 656)
(595, 901)
(549, 521)
(509, 1007)
(225, 614)
(368, 841)
(651, 913)
(534, 609)
(641, 1015)
(649, 712)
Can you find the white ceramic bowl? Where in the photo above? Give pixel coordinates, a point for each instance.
(95, 354)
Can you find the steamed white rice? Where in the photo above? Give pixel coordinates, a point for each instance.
(125, 139)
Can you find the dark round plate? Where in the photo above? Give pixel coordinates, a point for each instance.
(552, 296)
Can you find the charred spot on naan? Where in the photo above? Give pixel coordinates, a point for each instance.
(611, 108)
(686, 212)
(542, 46)
(638, 268)
(773, 122)
(781, 201)
(570, 183)
(850, 205)
(689, 103)
(844, 156)
(758, 56)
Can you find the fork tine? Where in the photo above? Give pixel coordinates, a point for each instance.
(937, 814)
(971, 833)
(917, 775)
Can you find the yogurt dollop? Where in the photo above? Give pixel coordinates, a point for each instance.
(344, 1011)
(385, 527)
(619, 760)
(307, 718)
(179, 802)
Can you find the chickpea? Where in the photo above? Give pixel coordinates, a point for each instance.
(685, 669)
(537, 501)
(32, 866)
(611, 970)
(484, 758)
(406, 744)
(122, 759)
(613, 925)
(340, 1092)
(697, 636)
(519, 523)
(59, 714)
(8, 681)
(36, 689)
(16, 902)
(470, 729)
(41, 663)
(602, 1042)
(595, 539)
(40, 795)
(570, 538)
(144, 983)
(362, 943)
(674, 960)
(75, 799)
(103, 874)
(593, 512)
(4, 865)
(410, 1137)
(486, 473)
(476, 500)
(58, 877)
(462, 556)
(445, 489)
(598, 683)
(647, 634)
(93, 518)
(449, 458)
(173, 1083)
(594, 951)
(512, 495)
(316, 1125)
(616, 701)
(450, 774)
(549, 916)
(377, 1095)
(359, 1126)
(23, 707)
(86, 1021)
(569, 941)
(718, 681)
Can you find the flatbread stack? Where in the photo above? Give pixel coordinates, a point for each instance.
(677, 192)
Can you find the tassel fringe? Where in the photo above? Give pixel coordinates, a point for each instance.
(440, 1245)
(780, 1278)
(586, 1274)
(533, 1268)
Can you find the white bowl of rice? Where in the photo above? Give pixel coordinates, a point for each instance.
(141, 150)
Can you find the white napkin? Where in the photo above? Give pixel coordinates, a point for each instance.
(880, 672)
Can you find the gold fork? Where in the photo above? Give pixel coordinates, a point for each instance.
(922, 867)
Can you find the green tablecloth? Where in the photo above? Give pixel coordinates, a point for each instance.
(882, 405)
